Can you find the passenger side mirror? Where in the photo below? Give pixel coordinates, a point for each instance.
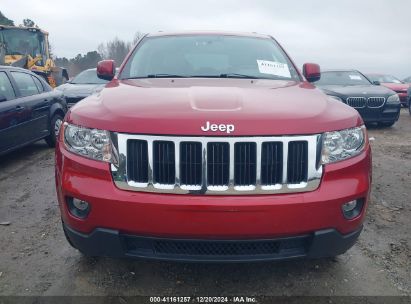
(376, 82)
(2, 98)
(106, 69)
(311, 72)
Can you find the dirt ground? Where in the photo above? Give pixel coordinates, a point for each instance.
(35, 258)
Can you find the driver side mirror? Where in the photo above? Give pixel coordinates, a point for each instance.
(106, 69)
(376, 82)
(2, 98)
(311, 72)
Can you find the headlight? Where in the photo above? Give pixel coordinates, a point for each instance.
(340, 145)
(393, 99)
(92, 143)
(335, 98)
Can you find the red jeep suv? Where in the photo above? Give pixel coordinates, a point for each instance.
(211, 146)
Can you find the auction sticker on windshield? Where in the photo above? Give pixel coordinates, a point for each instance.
(273, 68)
(355, 77)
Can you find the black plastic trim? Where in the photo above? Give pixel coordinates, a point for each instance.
(110, 243)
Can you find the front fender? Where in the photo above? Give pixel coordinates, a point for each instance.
(59, 105)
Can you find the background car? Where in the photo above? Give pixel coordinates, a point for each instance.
(392, 83)
(409, 99)
(407, 80)
(29, 109)
(376, 104)
(81, 86)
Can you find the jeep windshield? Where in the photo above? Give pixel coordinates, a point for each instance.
(343, 78)
(209, 56)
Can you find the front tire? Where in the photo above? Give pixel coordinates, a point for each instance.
(55, 125)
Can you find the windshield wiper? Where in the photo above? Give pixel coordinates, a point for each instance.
(165, 76)
(156, 76)
(84, 83)
(225, 75)
(235, 75)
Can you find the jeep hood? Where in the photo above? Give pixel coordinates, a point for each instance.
(182, 106)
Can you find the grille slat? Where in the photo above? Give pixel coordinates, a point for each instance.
(297, 162)
(164, 163)
(137, 165)
(245, 164)
(190, 164)
(218, 164)
(201, 165)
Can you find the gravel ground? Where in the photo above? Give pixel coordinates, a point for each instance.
(36, 259)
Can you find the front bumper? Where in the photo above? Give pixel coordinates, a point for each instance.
(112, 243)
(389, 113)
(403, 97)
(117, 213)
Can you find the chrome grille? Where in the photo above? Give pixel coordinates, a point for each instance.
(217, 165)
(375, 102)
(357, 102)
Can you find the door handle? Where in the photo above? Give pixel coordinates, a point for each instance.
(20, 109)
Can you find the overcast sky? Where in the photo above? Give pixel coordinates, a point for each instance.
(369, 35)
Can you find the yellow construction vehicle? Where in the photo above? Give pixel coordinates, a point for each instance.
(28, 47)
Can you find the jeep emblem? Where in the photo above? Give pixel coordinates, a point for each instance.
(215, 127)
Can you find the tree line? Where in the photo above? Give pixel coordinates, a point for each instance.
(115, 49)
(6, 21)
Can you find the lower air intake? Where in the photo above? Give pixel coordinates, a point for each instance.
(217, 249)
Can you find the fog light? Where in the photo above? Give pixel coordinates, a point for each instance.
(350, 206)
(79, 204)
(78, 207)
(352, 209)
